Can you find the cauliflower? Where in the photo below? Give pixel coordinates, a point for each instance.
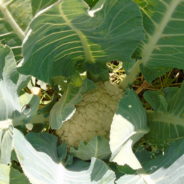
(93, 115)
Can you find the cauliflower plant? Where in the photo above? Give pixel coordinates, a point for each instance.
(93, 115)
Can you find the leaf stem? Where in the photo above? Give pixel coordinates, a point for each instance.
(132, 75)
(9, 18)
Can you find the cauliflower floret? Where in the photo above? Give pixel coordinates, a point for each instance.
(93, 115)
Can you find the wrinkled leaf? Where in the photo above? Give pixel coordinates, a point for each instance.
(65, 37)
(128, 126)
(40, 168)
(97, 147)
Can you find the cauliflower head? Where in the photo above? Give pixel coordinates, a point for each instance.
(93, 115)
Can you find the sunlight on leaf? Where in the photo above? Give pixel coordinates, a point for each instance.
(128, 126)
(40, 168)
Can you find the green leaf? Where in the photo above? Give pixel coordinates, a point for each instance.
(162, 169)
(8, 86)
(5, 150)
(29, 111)
(66, 36)
(6, 139)
(16, 177)
(22, 83)
(62, 152)
(97, 72)
(97, 147)
(163, 48)
(65, 107)
(14, 18)
(4, 173)
(21, 12)
(79, 165)
(166, 121)
(40, 168)
(11, 83)
(40, 142)
(128, 126)
(91, 3)
(38, 5)
(11, 176)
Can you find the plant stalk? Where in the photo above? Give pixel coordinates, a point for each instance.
(9, 18)
(131, 76)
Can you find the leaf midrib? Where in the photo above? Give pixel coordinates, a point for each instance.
(87, 51)
(164, 117)
(8, 17)
(149, 47)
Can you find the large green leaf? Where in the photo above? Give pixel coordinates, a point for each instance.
(8, 87)
(65, 37)
(14, 18)
(128, 126)
(166, 121)
(40, 168)
(38, 5)
(163, 48)
(97, 147)
(167, 168)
